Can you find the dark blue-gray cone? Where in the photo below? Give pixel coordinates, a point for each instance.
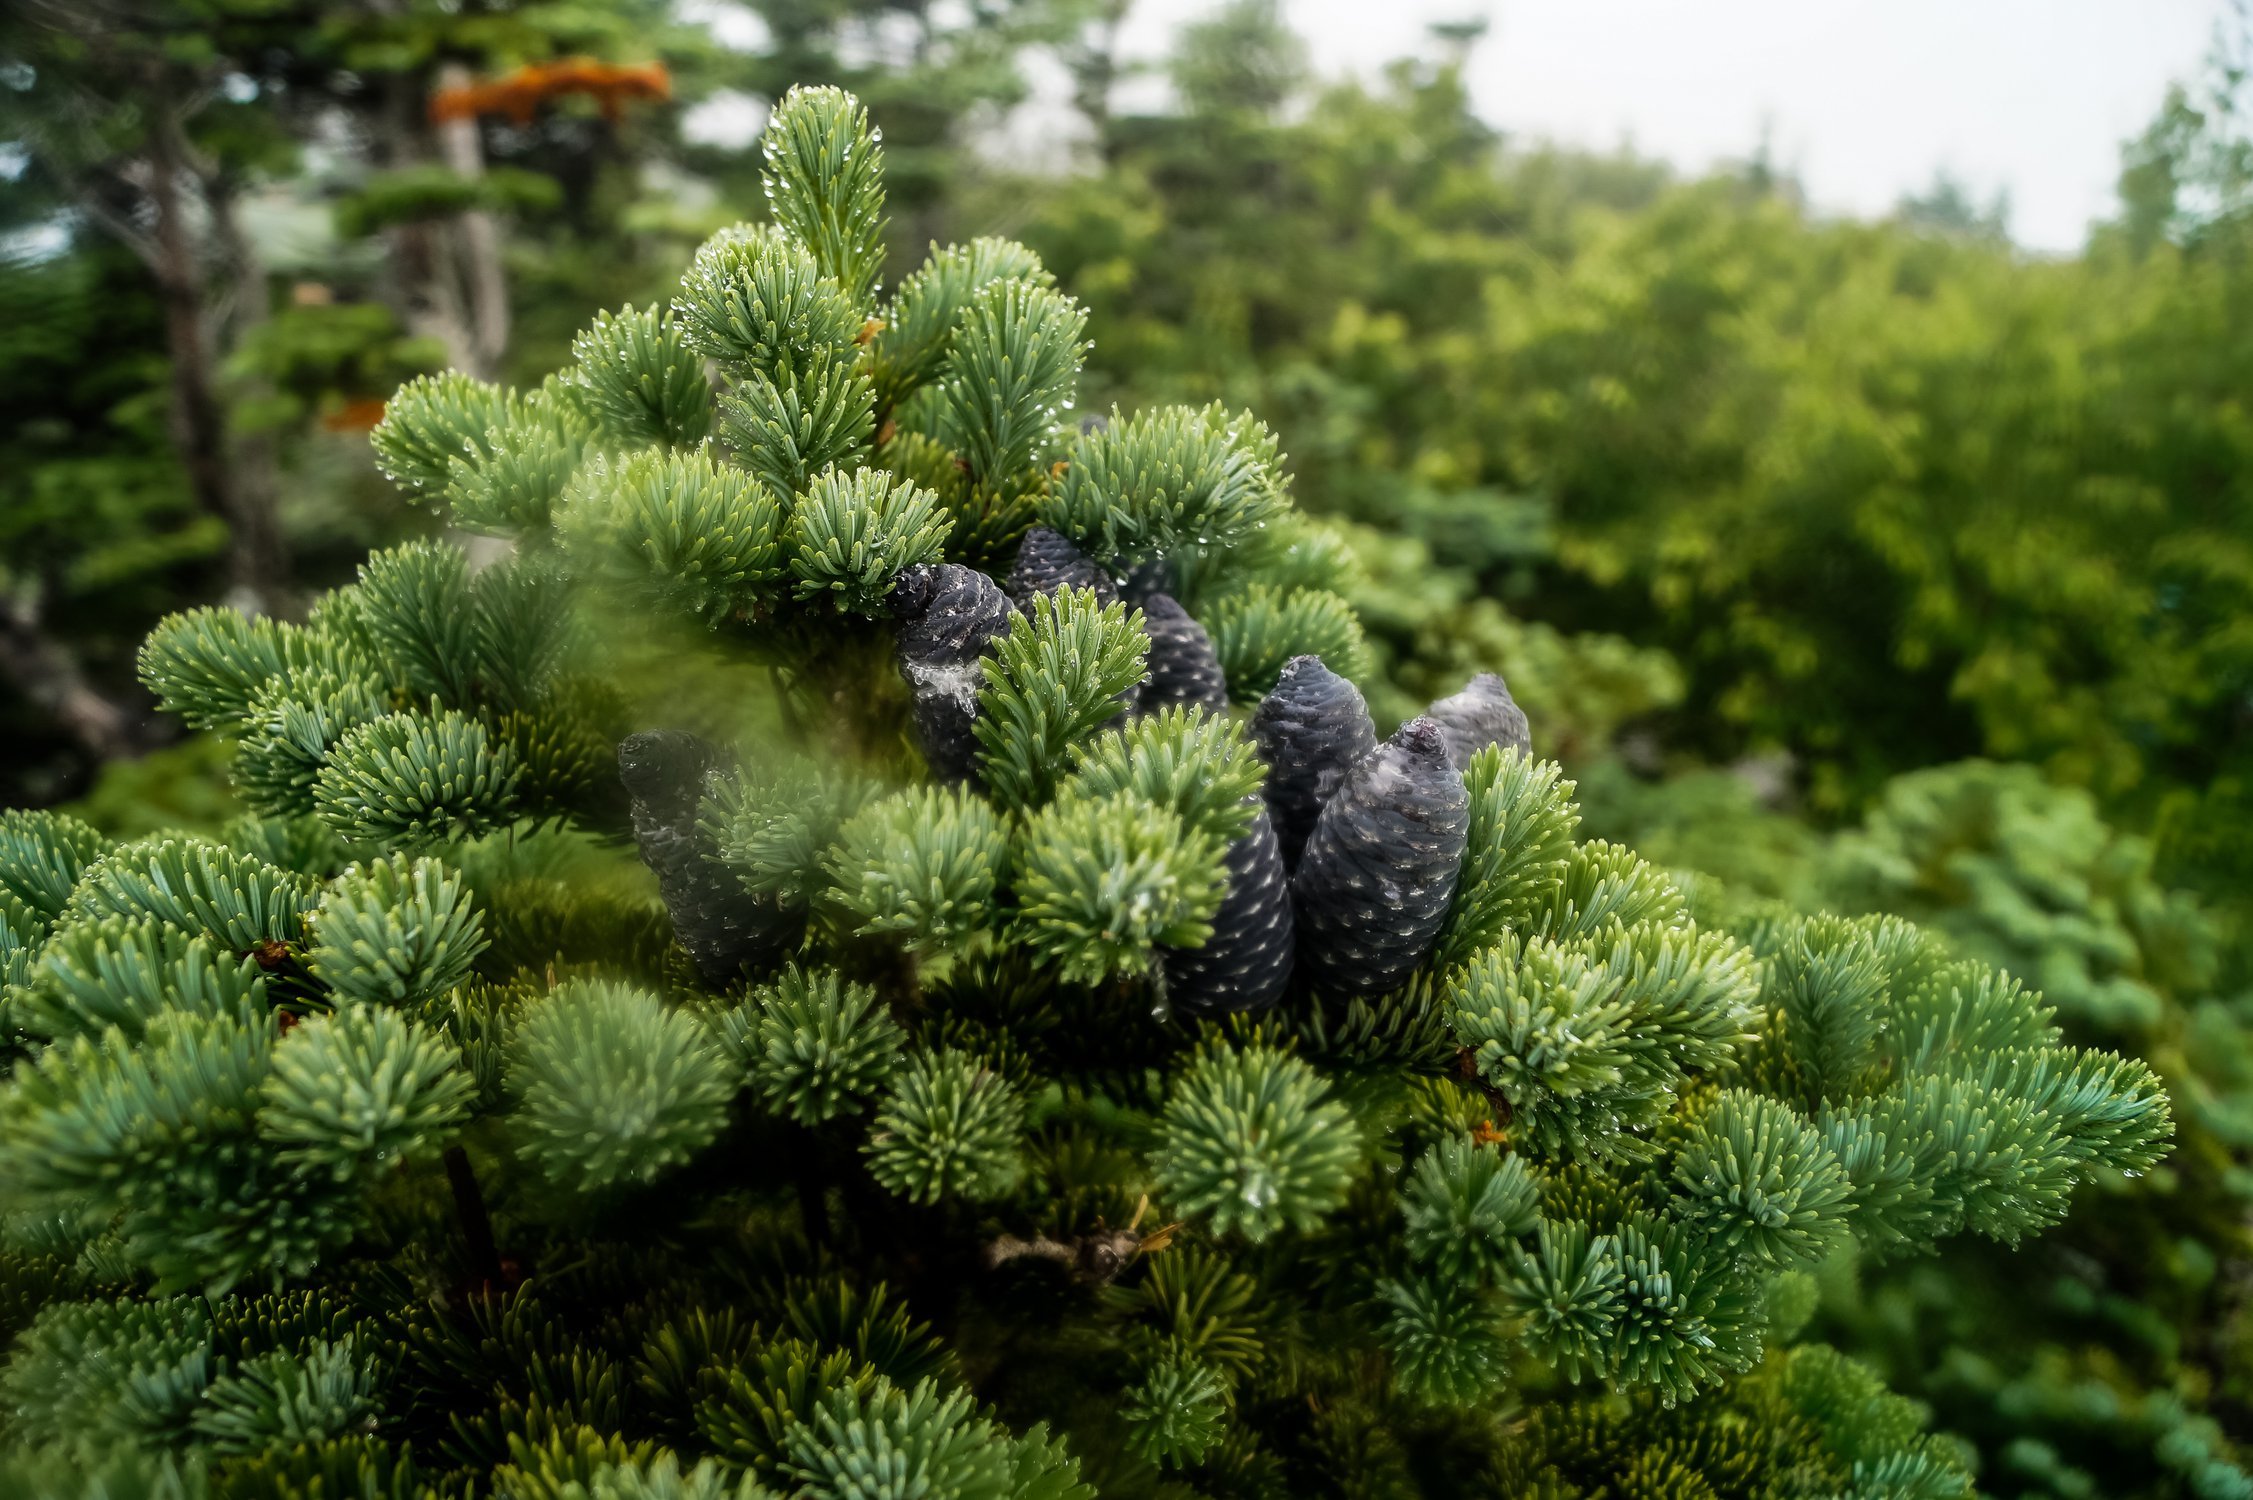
(1183, 667)
(1246, 963)
(1379, 872)
(1310, 730)
(1047, 561)
(947, 614)
(1482, 714)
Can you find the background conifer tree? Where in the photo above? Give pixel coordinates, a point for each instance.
(791, 984)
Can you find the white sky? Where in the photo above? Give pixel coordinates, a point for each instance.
(1863, 99)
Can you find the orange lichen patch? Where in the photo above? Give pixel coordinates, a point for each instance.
(520, 94)
(354, 416)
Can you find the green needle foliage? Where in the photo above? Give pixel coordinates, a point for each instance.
(615, 1086)
(680, 529)
(1102, 883)
(850, 537)
(1055, 678)
(1251, 1141)
(814, 1045)
(954, 1089)
(640, 380)
(925, 863)
(394, 932)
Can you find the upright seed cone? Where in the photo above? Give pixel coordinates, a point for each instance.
(947, 614)
(1310, 730)
(1379, 872)
(1047, 561)
(725, 928)
(1183, 665)
(1246, 963)
(1156, 576)
(1482, 714)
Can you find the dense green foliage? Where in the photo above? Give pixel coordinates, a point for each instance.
(1891, 493)
(401, 1142)
(1705, 476)
(2113, 1358)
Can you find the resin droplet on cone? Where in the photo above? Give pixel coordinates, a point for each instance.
(947, 614)
(1379, 872)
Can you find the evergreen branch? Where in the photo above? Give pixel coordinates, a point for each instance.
(394, 933)
(1193, 763)
(824, 177)
(789, 431)
(354, 1094)
(1166, 481)
(678, 529)
(1009, 376)
(1257, 633)
(1253, 1143)
(947, 1127)
(430, 423)
(756, 303)
(920, 324)
(1103, 883)
(850, 537)
(415, 779)
(641, 381)
(924, 865)
(511, 483)
(1052, 680)
(1522, 820)
(613, 1087)
(126, 972)
(813, 1045)
(197, 887)
(209, 664)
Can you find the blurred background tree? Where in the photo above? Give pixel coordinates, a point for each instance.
(230, 228)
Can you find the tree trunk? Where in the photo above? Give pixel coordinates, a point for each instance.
(254, 462)
(477, 243)
(256, 561)
(48, 676)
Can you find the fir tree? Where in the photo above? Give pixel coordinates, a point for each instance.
(961, 1102)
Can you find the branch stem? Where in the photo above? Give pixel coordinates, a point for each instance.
(477, 1224)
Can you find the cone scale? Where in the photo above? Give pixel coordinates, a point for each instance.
(1310, 730)
(1373, 887)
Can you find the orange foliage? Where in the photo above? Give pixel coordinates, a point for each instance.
(520, 94)
(354, 416)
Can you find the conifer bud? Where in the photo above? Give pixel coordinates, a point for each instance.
(1310, 730)
(1379, 872)
(947, 614)
(1482, 714)
(1246, 963)
(1047, 561)
(1183, 666)
(725, 928)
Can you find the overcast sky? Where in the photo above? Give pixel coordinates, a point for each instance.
(1864, 99)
